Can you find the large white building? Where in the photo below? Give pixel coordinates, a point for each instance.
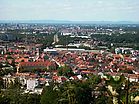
(31, 84)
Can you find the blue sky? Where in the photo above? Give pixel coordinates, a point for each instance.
(76, 10)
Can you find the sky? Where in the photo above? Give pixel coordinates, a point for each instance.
(75, 10)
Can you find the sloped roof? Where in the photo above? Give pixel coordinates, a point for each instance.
(45, 64)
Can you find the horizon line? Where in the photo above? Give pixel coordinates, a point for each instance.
(67, 21)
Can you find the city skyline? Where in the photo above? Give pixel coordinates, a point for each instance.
(73, 10)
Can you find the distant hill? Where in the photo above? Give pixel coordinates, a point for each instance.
(68, 22)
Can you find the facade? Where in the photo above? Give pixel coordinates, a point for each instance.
(31, 84)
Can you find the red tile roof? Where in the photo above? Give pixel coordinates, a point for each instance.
(46, 63)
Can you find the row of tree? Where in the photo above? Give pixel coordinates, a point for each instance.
(94, 90)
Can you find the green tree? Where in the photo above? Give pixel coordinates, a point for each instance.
(15, 95)
(69, 91)
(49, 95)
(14, 65)
(4, 99)
(83, 93)
(1, 83)
(65, 71)
(116, 88)
(30, 99)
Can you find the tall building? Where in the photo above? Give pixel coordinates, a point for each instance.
(56, 39)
